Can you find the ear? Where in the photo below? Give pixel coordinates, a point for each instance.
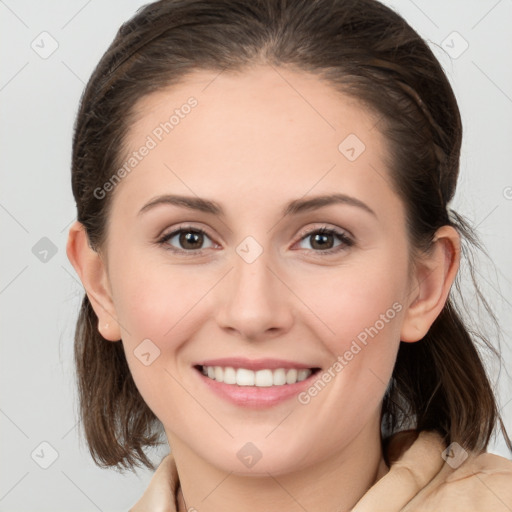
(433, 276)
(90, 267)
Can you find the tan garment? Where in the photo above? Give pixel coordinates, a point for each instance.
(418, 480)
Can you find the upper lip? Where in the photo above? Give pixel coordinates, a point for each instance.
(254, 364)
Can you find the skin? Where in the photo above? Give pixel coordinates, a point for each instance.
(256, 141)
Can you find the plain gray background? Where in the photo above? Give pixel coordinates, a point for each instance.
(40, 292)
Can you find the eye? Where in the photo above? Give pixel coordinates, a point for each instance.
(188, 239)
(323, 240)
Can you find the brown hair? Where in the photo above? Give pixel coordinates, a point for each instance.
(365, 50)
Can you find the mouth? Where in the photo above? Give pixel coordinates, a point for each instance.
(262, 378)
(255, 383)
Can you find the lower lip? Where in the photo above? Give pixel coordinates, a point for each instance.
(256, 397)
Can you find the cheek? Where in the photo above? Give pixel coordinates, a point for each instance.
(353, 384)
(155, 299)
(361, 312)
(155, 306)
(357, 299)
(157, 316)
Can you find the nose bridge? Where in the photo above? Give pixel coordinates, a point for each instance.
(256, 301)
(252, 277)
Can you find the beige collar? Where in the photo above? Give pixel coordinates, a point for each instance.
(418, 479)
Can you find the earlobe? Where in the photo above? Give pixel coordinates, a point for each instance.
(90, 267)
(434, 276)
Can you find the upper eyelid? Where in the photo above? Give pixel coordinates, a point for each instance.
(328, 229)
(185, 227)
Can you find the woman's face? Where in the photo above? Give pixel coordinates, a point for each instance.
(251, 155)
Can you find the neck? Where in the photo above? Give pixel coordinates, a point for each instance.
(333, 484)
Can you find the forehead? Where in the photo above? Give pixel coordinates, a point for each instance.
(265, 128)
(261, 93)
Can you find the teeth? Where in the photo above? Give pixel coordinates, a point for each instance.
(303, 374)
(291, 376)
(260, 378)
(229, 376)
(244, 377)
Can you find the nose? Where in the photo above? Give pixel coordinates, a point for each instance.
(255, 302)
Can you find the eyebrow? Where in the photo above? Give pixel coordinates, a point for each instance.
(292, 208)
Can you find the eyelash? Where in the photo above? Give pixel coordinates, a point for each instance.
(345, 240)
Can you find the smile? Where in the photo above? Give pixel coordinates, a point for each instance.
(260, 378)
(255, 383)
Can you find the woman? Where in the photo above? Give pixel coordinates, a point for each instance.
(264, 237)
